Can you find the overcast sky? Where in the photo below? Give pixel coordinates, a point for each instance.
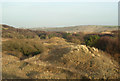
(60, 0)
(55, 14)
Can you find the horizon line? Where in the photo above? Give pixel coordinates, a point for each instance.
(55, 26)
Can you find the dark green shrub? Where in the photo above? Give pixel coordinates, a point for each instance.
(91, 40)
(43, 37)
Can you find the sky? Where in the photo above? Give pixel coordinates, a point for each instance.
(59, 0)
(57, 13)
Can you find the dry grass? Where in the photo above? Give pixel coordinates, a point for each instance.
(66, 61)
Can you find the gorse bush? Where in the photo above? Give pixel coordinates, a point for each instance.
(26, 47)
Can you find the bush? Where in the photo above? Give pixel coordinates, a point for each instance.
(80, 36)
(77, 38)
(66, 35)
(73, 39)
(108, 44)
(91, 40)
(43, 37)
(26, 47)
(52, 35)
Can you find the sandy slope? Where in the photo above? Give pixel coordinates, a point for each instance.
(63, 60)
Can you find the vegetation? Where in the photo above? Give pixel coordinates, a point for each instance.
(106, 42)
(110, 45)
(61, 55)
(91, 40)
(10, 32)
(25, 47)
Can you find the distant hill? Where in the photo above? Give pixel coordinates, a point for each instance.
(84, 28)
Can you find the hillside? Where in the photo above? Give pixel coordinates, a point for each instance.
(42, 55)
(89, 28)
(65, 61)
